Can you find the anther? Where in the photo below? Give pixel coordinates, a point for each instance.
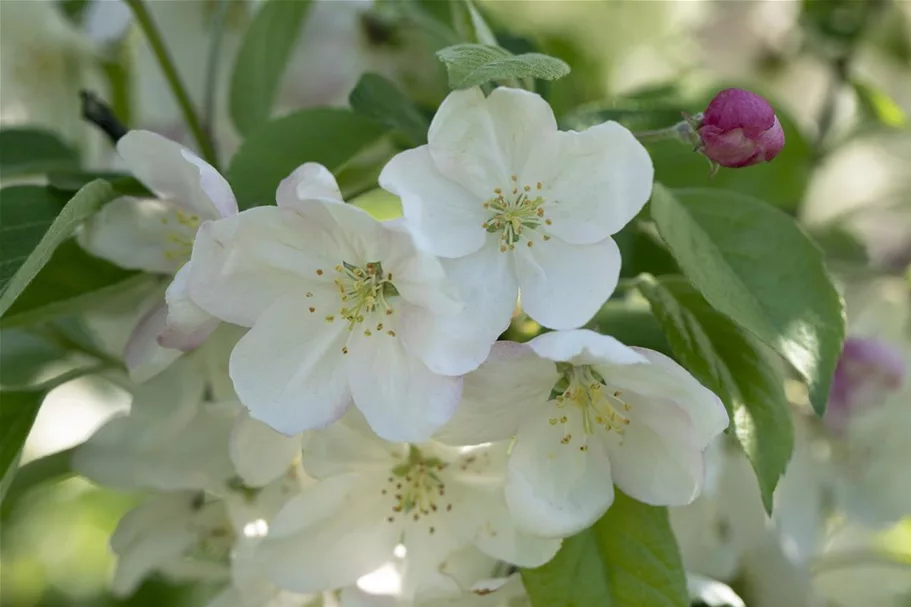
(344, 349)
(319, 272)
(312, 309)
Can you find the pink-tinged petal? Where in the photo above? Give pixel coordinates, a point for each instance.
(445, 217)
(328, 536)
(481, 142)
(584, 347)
(175, 173)
(143, 355)
(593, 182)
(654, 469)
(259, 453)
(562, 285)
(289, 370)
(243, 264)
(457, 344)
(138, 235)
(556, 489)
(187, 325)
(499, 395)
(308, 181)
(401, 398)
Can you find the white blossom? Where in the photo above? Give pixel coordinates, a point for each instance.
(156, 235)
(341, 307)
(625, 416)
(371, 496)
(514, 205)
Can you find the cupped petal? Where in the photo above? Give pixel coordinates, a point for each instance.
(457, 344)
(259, 453)
(187, 325)
(289, 369)
(584, 347)
(500, 538)
(556, 488)
(401, 398)
(243, 264)
(594, 182)
(481, 142)
(445, 217)
(175, 173)
(655, 469)
(138, 235)
(499, 395)
(309, 180)
(563, 285)
(665, 380)
(144, 356)
(328, 536)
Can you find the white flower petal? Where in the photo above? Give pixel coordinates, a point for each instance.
(288, 370)
(401, 398)
(496, 397)
(445, 217)
(562, 285)
(480, 142)
(665, 379)
(149, 535)
(346, 446)
(308, 181)
(418, 276)
(555, 489)
(584, 347)
(500, 538)
(595, 182)
(175, 173)
(654, 469)
(457, 344)
(187, 325)
(328, 536)
(138, 235)
(143, 355)
(243, 264)
(260, 454)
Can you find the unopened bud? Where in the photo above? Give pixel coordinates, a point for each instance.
(867, 372)
(739, 129)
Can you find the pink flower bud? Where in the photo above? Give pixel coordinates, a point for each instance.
(867, 372)
(739, 129)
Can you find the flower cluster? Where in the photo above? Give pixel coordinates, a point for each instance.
(373, 421)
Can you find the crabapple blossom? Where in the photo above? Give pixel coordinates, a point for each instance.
(514, 205)
(156, 235)
(619, 415)
(371, 496)
(342, 308)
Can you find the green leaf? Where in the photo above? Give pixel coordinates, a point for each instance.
(73, 181)
(31, 228)
(474, 64)
(330, 137)
(735, 366)
(71, 282)
(878, 107)
(629, 558)
(33, 151)
(753, 264)
(261, 61)
(16, 418)
(378, 98)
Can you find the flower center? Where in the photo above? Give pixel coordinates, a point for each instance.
(583, 389)
(179, 244)
(364, 291)
(417, 487)
(516, 212)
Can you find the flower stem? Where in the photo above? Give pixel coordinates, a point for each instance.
(144, 19)
(212, 62)
(679, 132)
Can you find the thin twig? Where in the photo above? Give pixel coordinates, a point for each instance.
(147, 24)
(212, 63)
